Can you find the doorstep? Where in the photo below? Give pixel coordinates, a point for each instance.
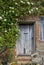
(23, 59)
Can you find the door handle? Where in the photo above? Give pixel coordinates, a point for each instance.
(24, 50)
(32, 38)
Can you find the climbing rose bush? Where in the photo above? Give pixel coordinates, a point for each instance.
(10, 12)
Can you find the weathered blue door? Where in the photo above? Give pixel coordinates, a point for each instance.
(24, 45)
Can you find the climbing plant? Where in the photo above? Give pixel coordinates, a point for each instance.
(10, 12)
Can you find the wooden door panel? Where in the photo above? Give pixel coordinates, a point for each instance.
(25, 41)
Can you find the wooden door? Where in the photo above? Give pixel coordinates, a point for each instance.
(24, 45)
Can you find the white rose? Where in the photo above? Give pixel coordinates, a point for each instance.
(31, 9)
(11, 23)
(5, 30)
(17, 19)
(30, 12)
(19, 30)
(28, 3)
(2, 15)
(16, 34)
(13, 11)
(0, 18)
(36, 8)
(10, 11)
(0, 37)
(12, 7)
(9, 29)
(13, 0)
(16, 14)
(15, 3)
(5, 19)
(22, 2)
(32, 3)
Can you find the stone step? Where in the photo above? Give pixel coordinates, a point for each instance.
(23, 59)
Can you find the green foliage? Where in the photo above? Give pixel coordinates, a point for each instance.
(10, 12)
(14, 63)
(10, 57)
